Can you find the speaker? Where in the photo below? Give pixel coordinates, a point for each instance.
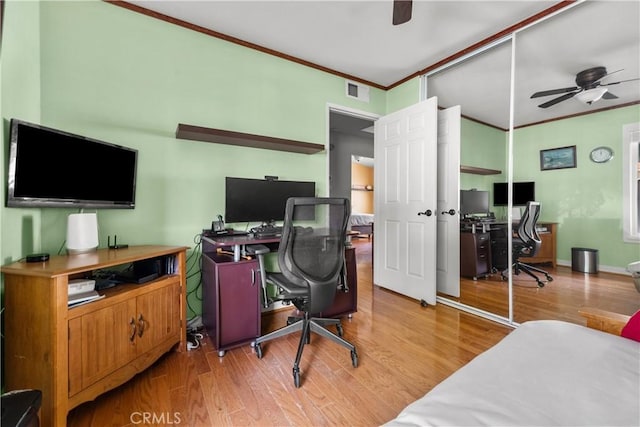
(82, 233)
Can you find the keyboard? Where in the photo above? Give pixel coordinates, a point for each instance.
(267, 231)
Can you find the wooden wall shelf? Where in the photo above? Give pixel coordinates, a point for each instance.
(479, 171)
(220, 136)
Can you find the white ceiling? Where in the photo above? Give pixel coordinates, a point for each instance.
(357, 38)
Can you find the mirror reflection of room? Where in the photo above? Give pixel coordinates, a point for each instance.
(586, 211)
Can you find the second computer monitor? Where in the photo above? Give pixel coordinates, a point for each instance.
(474, 202)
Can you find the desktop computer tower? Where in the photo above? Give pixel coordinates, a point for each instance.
(499, 249)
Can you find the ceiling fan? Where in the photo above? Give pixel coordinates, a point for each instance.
(401, 11)
(588, 89)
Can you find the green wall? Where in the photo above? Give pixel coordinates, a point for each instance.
(482, 146)
(404, 95)
(586, 201)
(102, 71)
(19, 95)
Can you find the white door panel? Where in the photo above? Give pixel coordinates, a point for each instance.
(405, 201)
(392, 237)
(448, 247)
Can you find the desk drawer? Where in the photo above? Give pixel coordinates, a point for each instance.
(475, 254)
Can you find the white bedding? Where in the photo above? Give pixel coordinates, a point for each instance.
(544, 373)
(361, 219)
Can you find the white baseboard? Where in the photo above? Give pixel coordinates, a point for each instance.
(603, 268)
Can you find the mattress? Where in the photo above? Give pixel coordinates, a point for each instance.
(361, 219)
(544, 373)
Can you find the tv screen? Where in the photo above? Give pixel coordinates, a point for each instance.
(474, 202)
(252, 200)
(523, 192)
(52, 168)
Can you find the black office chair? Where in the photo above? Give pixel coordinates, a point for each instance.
(20, 408)
(527, 244)
(311, 262)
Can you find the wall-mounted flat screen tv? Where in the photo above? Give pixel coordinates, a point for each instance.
(53, 168)
(523, 192)
(262, 200)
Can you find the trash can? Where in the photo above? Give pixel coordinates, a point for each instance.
(584, 260)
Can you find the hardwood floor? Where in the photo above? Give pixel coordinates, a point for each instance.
(404, 351)
(560, 299)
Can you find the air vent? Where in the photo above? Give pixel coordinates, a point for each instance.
(357, 91)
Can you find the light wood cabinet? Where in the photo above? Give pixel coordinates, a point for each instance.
(99, 344)
(75, 354)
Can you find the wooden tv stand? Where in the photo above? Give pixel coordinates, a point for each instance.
(75, 354)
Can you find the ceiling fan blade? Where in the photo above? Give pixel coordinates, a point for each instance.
(401, 11)
(553, 92)
(609, 95)
(608, 74)
(621, 81)
(557, 100)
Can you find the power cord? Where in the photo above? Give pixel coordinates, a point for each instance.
(193, 342)
(195, 334)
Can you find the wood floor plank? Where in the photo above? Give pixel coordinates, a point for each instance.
(218, 413)
(185, 392)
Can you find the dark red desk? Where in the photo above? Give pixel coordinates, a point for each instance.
(231, 308)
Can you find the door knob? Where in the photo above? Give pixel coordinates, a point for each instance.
(450, 212)
(428, 212)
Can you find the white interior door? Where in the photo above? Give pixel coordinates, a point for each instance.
(405, 201)
(448, 250)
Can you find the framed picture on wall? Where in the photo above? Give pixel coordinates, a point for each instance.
(558, 158)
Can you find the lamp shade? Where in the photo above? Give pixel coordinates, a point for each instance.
(82, 233)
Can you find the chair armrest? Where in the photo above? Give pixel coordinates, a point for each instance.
(603, 320)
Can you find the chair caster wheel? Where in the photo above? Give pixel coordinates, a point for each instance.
(541, 284)
(354, 358)
(258, 348)
(549, 279)
(296, 377)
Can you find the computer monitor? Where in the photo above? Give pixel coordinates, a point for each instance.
(262, 200)
(523, 192)
(474, 202)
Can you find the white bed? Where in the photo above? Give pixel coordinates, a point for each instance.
(544, 373)
(362, 223)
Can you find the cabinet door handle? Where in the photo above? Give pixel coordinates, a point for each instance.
(132, 323)
(141, 325)
(253, 277)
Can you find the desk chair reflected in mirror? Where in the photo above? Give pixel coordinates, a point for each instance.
(527, 244)
(312, 268)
